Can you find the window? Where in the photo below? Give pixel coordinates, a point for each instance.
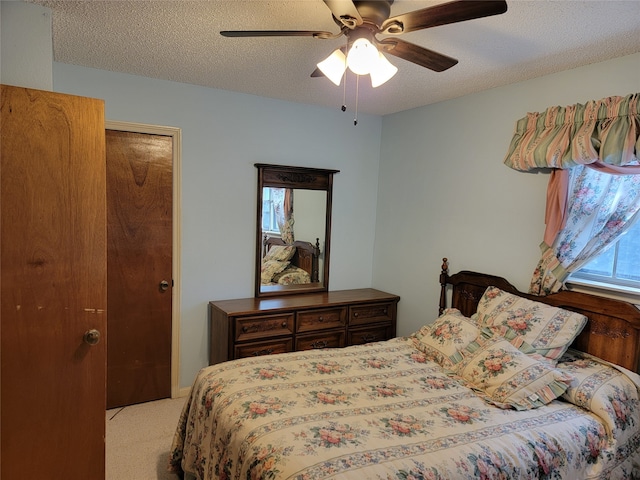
(619, 266)
(269, 217)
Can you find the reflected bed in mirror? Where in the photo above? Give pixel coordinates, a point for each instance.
(289, 265)
(293, 229)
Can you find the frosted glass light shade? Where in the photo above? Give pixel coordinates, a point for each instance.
(334, 66)
(362, 57)
(382, 71)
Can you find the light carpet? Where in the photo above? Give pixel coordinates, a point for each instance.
(139, 439)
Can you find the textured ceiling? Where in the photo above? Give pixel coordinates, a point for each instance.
(180, 41)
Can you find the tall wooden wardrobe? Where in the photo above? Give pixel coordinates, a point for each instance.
(52, 285)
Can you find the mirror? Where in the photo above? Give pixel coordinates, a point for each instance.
(293, 230)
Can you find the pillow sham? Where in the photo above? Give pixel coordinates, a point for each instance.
(281, 253)
(509, 377)
(443, 339)
(550, 330)
(604, 391)
(270, 268)
(292, 276)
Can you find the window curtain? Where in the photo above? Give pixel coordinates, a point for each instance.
(600, 208)
(283, 206)
(593, 194)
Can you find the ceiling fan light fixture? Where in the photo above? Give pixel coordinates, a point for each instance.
(382, 71)
(363, 57)
(334, 66)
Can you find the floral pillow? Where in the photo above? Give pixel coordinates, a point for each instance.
(442, 340)
(604, 391)
(509, 377)
(271, 268)
(292, 276)
(281, 253)
(550, 330)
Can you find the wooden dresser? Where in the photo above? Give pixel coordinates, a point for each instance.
(262, 326)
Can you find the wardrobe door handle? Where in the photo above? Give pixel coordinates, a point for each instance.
(91, 337)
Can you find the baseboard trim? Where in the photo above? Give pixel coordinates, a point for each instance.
(183, 392)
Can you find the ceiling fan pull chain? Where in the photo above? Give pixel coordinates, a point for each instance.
(355, 120)
(345, 76)
(344, 93)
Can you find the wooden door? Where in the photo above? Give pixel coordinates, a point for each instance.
(139, 260)
(53, 285)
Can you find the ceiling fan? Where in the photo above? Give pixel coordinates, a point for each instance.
(361, 20)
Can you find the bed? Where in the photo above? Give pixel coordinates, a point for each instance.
(284, 264)
(499, 385)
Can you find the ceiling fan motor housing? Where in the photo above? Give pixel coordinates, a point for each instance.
(374, 12)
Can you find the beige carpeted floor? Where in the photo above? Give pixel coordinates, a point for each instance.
(139, 438)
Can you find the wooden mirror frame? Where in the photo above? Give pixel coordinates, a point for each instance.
(284, 176)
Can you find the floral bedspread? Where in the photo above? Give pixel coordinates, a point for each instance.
(382, 411)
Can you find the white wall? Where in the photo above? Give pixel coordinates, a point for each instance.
(445, 192)
(26, 45)
(223, 135)
(309, 215)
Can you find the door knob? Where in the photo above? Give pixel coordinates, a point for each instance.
(164, 285)
(91, 337)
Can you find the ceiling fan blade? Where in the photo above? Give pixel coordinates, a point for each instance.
(443, 14)
(419, 55)
(276, 33)
(345, 11)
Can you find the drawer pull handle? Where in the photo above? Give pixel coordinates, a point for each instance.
(385, 311)
(246, 329)
(319, 344)
(266, 351)
(321, 319)
(355, 314)
(370, 337)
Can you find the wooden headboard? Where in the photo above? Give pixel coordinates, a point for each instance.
(612, 332)
(306, 256)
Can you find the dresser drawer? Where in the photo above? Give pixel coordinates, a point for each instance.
(371, 313)
(314, 320)
(264, 326)
(361, 336)
(263, 348)
(326, 340)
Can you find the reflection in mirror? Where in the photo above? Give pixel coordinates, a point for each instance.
(303, 228)
(293, 229)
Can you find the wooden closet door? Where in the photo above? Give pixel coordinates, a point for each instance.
(53, 285)
(139, 261)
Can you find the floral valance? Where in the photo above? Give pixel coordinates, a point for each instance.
(602, 132)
